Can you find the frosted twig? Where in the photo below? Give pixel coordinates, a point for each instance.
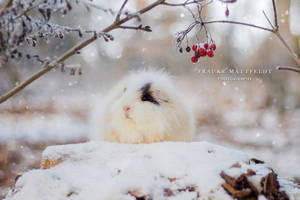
(188, 2)
(5, 6)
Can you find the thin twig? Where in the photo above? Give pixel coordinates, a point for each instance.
(5, 6)
(294, 69)
(120, 11)
(181, 4)
(106, 10)
(275, 15)
(268, 20)
(73, 51)
(238, 23)
(140, 27)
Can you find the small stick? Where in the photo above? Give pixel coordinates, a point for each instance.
(140, 27)
(294, 69)
(120, 11)
(268, 20)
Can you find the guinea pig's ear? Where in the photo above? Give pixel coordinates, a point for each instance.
(161, 96)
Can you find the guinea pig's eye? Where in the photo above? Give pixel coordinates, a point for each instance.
(148, 97)
(147, 94)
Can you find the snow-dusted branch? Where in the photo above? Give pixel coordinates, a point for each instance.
(5, 6)
(74, 50)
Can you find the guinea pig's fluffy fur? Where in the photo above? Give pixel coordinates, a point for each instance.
(144, 107)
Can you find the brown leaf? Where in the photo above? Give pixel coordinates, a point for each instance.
(239, 187)
(138, 195)
(228, 179)
(188, 188)
(46, 164)
(250, 172)
(236, 193)
(236, 165)
(256, 161)
(172, 179)
(271, 187)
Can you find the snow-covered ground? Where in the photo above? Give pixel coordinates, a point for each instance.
(100, 170)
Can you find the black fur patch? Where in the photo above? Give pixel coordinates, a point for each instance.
(147, 94)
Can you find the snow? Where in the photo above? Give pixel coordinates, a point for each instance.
(101, 170)
(38, 127)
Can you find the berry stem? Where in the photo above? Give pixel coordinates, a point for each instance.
(238, 23)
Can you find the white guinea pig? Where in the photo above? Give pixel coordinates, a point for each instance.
(144, 107)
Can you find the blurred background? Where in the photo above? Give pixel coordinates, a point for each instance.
(259, 115)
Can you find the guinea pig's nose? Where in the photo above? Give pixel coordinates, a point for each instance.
(126, 108)
(126, 111)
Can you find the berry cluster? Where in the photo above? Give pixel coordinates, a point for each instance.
(202, 50)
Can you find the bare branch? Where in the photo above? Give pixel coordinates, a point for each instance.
(120, 11)
(106, 10)
(188, 2)
(228, 1)
(275, 15)
(118, 24)
(238, 23)
(294, 69)
(140, 27)
(268, 20)
(5, 5)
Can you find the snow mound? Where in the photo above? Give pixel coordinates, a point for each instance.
(158, 171)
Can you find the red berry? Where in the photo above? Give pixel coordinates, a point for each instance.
(206, 46)
(202, 52)
(194, 59)
(213, 47)
(210, 53)
(194, 47)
